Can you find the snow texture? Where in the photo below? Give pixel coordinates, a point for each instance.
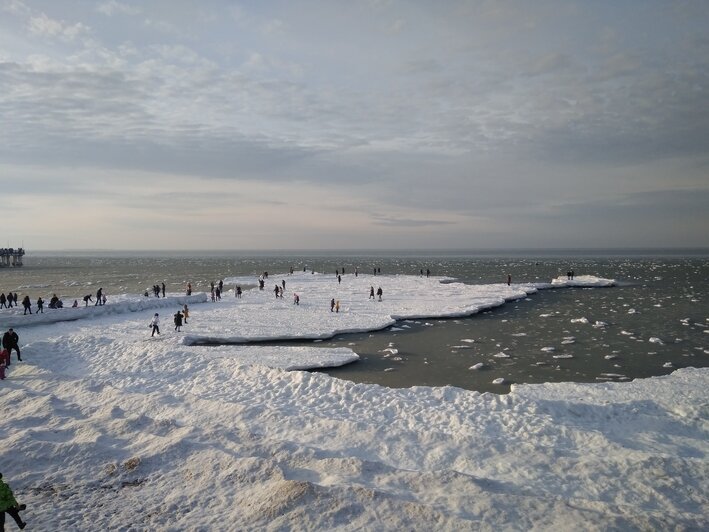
(106, 428)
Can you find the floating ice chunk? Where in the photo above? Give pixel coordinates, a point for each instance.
(568, 340)
(501, 354)
(668, 365)
(468, 340)
(461, 346)
(610, 357)
(479, 365)
(389, 369)
(579, 320)
(548, 349)
(632, 311)
(655, 340)
(519, 334)
(562, 356)
(499, 380)
(600, 324)
(544, 315)
(626, 333)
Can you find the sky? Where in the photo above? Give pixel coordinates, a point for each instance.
(361, 124)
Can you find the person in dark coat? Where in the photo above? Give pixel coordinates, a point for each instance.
(87, 298)
(99, 296)
(371, 292)
(380, 292)
(40, 305)
(3, 300)
(27, 304)
(9, 505)
(10, 341)
(178, 321)
(163, 290)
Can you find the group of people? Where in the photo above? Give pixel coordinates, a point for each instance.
(7, 301)
(178, 319)
(10, 300)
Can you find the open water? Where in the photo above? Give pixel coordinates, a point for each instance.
(656, 320)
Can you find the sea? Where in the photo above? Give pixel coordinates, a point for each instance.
(654, 321)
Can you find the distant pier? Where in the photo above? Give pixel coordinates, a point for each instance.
(11, 258)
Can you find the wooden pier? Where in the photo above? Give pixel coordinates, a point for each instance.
(11, 258)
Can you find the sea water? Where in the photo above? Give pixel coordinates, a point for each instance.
(654, 321)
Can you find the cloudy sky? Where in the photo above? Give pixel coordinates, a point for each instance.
(387, 124)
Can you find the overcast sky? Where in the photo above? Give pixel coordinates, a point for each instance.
(328, 124)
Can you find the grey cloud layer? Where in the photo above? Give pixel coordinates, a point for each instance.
(446, 107)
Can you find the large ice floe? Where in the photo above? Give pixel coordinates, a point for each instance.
(106, 428)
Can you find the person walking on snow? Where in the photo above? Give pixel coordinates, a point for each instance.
(380, 292)
(9, 505)
(178, 321)
(371, 292)
(27, 304)
(155, 324)
(185, 313)
(10, 341)
(40, 305)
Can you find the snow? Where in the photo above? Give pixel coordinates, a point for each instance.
(105, 428)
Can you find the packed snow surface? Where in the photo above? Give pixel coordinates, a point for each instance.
(106, 428)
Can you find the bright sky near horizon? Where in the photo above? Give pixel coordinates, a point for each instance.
(379, 124)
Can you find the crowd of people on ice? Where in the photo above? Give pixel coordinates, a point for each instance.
(10, 340)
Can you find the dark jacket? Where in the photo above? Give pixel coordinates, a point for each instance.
(10, 339)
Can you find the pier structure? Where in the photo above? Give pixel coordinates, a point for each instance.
(11, 257)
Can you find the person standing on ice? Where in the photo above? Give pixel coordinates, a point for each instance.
(178, 321)
(296, 299)
(332, 304)
(40, 305)
(27, 304)
(3, 300)
(10, 341)
(185, 313)
(99, 296)
(189, 289)
(337, 306)
(277, 289)
(380, 292)
(509, 280)
(371, 292)
(155, 324)
(9, 505)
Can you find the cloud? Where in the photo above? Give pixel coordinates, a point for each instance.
(113, 7)
(44, 26)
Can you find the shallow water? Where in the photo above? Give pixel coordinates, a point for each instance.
(655, 320)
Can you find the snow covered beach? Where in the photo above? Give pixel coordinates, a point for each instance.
(112, 429)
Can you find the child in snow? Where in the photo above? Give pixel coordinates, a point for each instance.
(185, 313)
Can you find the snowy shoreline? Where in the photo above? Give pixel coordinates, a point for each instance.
(109, 428)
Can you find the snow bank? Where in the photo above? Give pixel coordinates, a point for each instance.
(107, 428)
